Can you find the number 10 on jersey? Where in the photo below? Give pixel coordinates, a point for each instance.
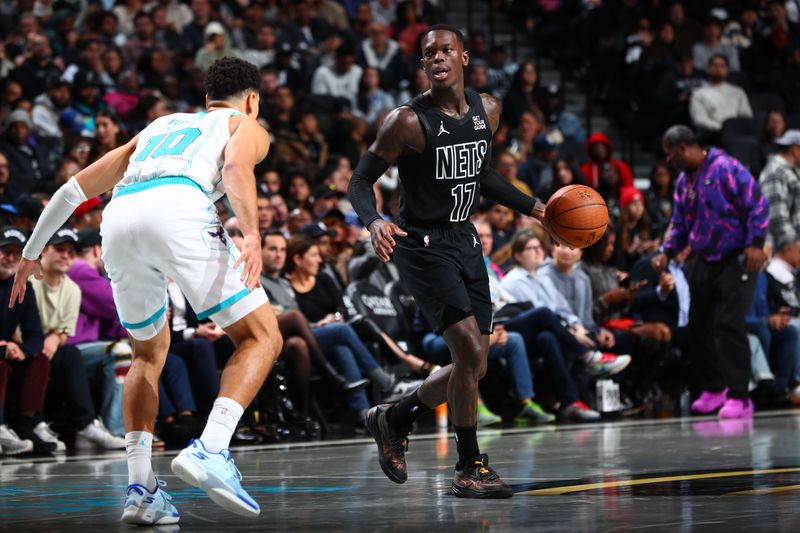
(464, 194)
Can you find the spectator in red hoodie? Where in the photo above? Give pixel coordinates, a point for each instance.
(601, 151)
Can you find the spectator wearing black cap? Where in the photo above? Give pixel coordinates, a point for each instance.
(48, 106)
(26, 159)
(324, 197)
(557, 118)
(780, 183)
(30, 370)
(341, 80)
(58, 299)
(87, 93)
(25, 212)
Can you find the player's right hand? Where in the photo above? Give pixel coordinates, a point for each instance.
(381, 232)
(251, 259)
(25, 270)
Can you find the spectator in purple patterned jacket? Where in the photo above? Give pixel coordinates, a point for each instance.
(721, 213)
(98, 326)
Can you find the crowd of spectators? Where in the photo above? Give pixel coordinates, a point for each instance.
(80, 78)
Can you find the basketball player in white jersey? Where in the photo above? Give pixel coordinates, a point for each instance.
(161, 223)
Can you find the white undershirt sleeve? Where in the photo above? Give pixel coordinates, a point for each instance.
(61, 206)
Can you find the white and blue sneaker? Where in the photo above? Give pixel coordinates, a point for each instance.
(216, 474)
(147, 508)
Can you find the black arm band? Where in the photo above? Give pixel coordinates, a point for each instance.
(362, 196)
(496, 188)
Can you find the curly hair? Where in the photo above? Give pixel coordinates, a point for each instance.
(229, 77)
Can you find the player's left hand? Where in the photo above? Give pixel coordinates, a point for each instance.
(25, 270)
(754, 258)
(251, 259)
(381, 232)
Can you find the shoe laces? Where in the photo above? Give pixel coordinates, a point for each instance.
(485, 472)
(231, 465)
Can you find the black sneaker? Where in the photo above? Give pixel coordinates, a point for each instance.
(476, 479)
(392, 446)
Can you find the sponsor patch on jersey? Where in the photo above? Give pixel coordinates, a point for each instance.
(478, 122)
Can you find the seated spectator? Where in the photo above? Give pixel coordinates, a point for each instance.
(521, 96)
(542, 329)
(304, 145)
(774, 126)
(194, 343)
(341, 80)
(265, 212)
(89, 214)
(781, 35)
(522, 143)
(9, 191)
(98, 329)
(322, 304)
(507, 167)
(610, 188)
(711, 45)
(144, 39)
(675, 87)
(557, 118)
(26, 159)
(576, 286)
(565, 172)
(634, 235)
(23, 368)
(372, 100)
(687, 30)
(658, 198)
(384, 11)
(408, 28)
(109, 134)
(48, 106)
(717, 101)
(58, 299)
(601, 151)
(176, 404)
(381, 52)
(537, 170)
(783, 296)
(87, 101)
(780, 183)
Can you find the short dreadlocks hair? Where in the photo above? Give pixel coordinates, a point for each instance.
(444, 27)
(229, 77)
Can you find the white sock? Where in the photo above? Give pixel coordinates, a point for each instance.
(138, 446)
(221, 424)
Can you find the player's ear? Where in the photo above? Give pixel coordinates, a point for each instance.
(465, 58)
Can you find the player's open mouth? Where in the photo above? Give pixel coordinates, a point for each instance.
(440, 73)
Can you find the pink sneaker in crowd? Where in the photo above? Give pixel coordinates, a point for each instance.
(708, 402)
(736, 408)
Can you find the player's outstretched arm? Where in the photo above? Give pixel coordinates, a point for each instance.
(400, 133)
(247, 146)
(95, 179)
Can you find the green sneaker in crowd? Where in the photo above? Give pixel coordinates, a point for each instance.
(533, 412)
(486, 417)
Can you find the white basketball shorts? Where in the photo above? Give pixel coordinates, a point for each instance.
(168, 228)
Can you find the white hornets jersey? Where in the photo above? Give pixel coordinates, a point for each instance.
(189, 145)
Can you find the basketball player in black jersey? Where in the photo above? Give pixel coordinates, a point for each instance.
(441, 142)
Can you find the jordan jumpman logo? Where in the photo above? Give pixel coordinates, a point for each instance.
(441, 129)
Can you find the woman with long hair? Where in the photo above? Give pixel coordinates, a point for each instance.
(633, 235)
(521, 95)
(321, 302)
(566, 171)
(658, 198)
(109, 134)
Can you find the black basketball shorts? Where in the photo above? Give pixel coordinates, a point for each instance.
(443, 268)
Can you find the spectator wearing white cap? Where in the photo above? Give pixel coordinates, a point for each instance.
(217, 45)
(780, 183)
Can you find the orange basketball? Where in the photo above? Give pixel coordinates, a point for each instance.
(577, 216)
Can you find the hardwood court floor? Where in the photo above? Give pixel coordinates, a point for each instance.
(674, 475)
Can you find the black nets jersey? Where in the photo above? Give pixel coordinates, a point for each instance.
(440, 186)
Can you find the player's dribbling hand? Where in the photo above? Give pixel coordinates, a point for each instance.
(25, 270)
(251, 259)
(381, 233)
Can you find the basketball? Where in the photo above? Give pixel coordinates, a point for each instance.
(577, 216)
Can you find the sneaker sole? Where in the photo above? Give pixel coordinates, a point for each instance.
(374, 430)
(135, 516)
(461, 492)
(197, 476)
